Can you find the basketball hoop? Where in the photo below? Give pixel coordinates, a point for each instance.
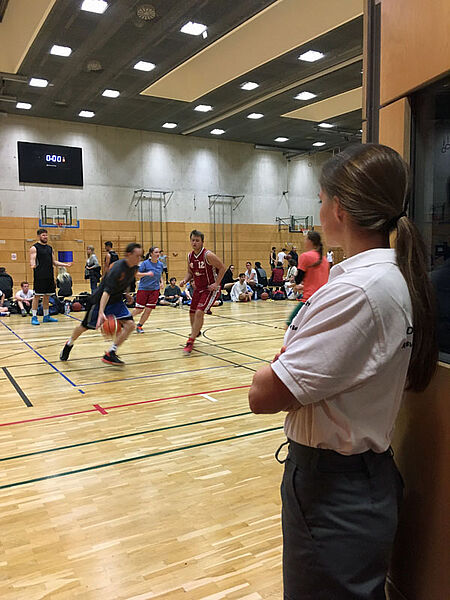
(59, 224)
(305, 232)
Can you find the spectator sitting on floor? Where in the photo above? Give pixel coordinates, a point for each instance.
(4, 312)
(172, 294)
(228, 280)
(261, 274)
(251, 277)
(292, 269)
(64, 283)
(6, 283)
(24, 297)
(241, 292)
(277, 278)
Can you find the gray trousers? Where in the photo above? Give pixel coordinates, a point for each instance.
(339, 517)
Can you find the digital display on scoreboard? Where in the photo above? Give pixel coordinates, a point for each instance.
(49, 163)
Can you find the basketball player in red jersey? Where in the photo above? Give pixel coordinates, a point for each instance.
(207, 270)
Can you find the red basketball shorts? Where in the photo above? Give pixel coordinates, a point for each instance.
(203, 300)
(147, 298)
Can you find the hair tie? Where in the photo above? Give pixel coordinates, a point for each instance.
(393, 222)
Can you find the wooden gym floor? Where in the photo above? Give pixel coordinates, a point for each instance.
(148, 481)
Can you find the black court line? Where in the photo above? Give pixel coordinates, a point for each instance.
(17, 387)
(249, 322)
(231, 362)
(124, 435)
(135, 458)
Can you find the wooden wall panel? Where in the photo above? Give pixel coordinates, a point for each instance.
(395, 127)
(415, 45)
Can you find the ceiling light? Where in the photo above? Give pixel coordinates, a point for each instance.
(255, 116)
(35, 82)
(88, 114)
(23, 105)
(111, 93)
(326, 125)
(95, 6)
(170, 125)
(305, 96)
(281, 139)
(319, 144)
(144, 66)
(193, 28)
(311, 56)
(249, 85)
(203, 108)
(60, 50)
(217, 131)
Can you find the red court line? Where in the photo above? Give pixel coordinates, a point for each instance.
(98, 408)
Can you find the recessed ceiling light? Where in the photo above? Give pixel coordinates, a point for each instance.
(170, 125)
(95, 6)
(60, 50)
(88, 114)
(193, 28)
(255, 116)
(23, 105)
(319, 143)
(249, 85)
(281, 139)
(203, 108)
(35, 82)
(305, 96)
(217, 131)
(144, 66)
(111, 93)
(326, 125)
(311, 56)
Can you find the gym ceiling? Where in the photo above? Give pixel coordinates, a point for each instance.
(256, 41)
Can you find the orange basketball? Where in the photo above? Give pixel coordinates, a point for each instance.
(109, 326)
(76, 306)
(264, 296)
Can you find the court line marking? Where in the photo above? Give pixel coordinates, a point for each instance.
(124, 436)
(44, 359)
(90, 410)
(17, 387)
(141, 457)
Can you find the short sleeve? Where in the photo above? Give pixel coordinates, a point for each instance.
(142, 267)
(336, 347)
(304, 261)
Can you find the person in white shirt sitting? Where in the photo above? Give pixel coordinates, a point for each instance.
(24, 297)
(241, 292)
(251, 277)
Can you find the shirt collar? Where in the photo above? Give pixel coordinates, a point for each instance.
(364, 259)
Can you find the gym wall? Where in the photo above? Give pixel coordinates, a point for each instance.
(118, 161)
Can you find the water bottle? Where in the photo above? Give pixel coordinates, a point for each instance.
(67, 308)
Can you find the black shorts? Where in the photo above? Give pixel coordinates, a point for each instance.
(44, 286)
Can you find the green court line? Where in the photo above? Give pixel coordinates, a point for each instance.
(121, 437)
(134, 458)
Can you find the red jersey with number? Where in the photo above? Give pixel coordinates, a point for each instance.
(204, 273)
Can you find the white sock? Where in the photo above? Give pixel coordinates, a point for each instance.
(45, 312)
(34, 312)
(113, 348)
(70, 342)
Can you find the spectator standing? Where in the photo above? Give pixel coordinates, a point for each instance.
(273, 258)
(330, 258)
(92, 269)
(293, 254)
(281, 256)
(110, 257)
(163, 259)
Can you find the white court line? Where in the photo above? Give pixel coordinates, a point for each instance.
(209, 398)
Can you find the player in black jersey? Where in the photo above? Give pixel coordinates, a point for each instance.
(42, 261)
(108, 300)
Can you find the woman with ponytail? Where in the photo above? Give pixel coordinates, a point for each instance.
(348, 355)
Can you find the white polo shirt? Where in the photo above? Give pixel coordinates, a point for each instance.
(347, 356)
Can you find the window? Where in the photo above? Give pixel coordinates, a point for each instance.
(431, 193)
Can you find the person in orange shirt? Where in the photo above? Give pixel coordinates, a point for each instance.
(313, 270)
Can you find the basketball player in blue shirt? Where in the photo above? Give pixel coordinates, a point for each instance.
(150, 281)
